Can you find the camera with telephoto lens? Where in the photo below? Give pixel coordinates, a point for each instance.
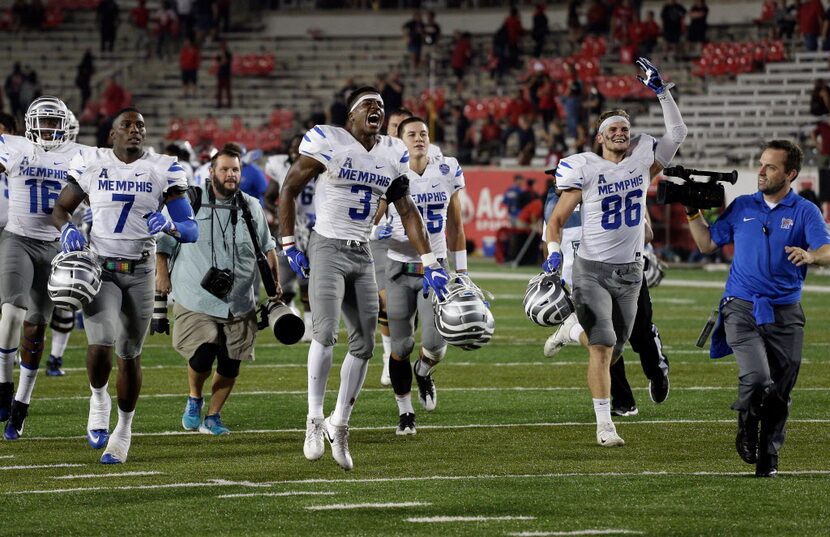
(696, 194)
(287, 326)
(218, 282)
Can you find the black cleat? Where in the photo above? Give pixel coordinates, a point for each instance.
(6, 396)
(406, 425)
(746, 441)
(426, 392)
(14, 427)
(624, 410)
(658, 390)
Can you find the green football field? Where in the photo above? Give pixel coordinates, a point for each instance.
(510, 450)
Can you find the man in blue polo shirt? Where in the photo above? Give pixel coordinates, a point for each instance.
(776, 234)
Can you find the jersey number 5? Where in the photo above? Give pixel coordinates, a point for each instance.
(614, 213)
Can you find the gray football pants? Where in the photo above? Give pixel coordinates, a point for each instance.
(404, 298)
(343, 280)
(25, 266)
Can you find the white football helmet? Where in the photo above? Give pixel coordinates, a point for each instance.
(75, 279)
(654, 269)
(73, 127)
(546, 301)
(47, 122)
(463, 317)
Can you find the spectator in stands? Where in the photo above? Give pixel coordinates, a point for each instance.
(582, 142)
(518, 106)
(165, 25)
(825, 31)
(672, 16)
(514, 31)
(527, 140)
(573, 101)
(189, 59)
(184, 13)
(557, 146)
(806, 191)
(528, 194)
(540, 30)
(108, 15)
(223, 15)
(647, 32)
(18, 12)
(224, 61)
(810, 18)
(623, 19)
(432, 34)
(413, 35)
(785, 19)
(113, 98)
(547, 101)
(463, 140)
(698, 24)
(573, 24)
(392, 91)
(12, 86)
(462, 53)
(30, 89)
(511, 199)
(349, 86)
(103, 126)
(597, 18)
(489, 146)
(821, 139)
(338, 113)
(140, 19)
(317, 115)
(83, 77)
(594, 104)
(35, 15)
(820, 98)
(766, 21)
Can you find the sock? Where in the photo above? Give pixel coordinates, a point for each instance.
(422, 368)
(7, 366)
(387, 345)
(26, 384)
(59, 342)
(576, 331)
(100, 406)
(352, 375)
(319, 364)
(125, 423)
(602, 409)
(405, 404)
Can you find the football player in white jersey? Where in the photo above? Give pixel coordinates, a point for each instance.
(434, 184)
(8, 125)
(37, 166)
(126, 187)
(276, 167)
(354, 168)
(608, 267)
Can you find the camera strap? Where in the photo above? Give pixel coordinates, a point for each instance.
(261, 262)
(231, 221)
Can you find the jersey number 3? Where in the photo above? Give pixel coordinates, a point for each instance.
(362, 212)
(614, 212)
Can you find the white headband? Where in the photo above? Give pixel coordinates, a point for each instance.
(366, 97)
(613, 119)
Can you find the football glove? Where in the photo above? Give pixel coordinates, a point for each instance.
(553, 263)
(158, 223)
(72, 240)
(297, 260)
(651, 76)
(435, 279)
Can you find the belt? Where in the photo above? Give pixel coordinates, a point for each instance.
(123, 265)
(415, 269)
(351, 243)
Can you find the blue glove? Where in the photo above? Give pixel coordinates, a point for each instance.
(384, 232)
(436, 279)
(297, 260)
(311, 220)
(553, 263)
(72, 240)
(157, 223)
(651, 76)
(87, 218)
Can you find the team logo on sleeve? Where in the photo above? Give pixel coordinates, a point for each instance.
(444, 169)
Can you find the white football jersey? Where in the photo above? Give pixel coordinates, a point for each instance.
(347, 193)
(431, 193)
(121, 194)
(35, 180)
(201, 175)
(4, 200)
(613, 200)
(276, 168)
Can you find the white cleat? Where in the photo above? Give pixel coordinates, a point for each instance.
(609, 438)
(314, 445)
(338, 437)
(385, 379)
(561, 337)
(117, 447)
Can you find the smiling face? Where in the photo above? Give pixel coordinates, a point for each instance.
(773, 178)
(616, 138)
(416, 137)
(128, 132)
(367, 117)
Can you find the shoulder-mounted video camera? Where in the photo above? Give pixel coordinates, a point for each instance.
(691, 193)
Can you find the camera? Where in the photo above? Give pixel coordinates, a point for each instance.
(218, 282)
(286, 326)
(691, 193)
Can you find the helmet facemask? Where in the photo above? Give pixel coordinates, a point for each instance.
(47, 122)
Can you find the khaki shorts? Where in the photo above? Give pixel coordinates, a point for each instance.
(191, 330)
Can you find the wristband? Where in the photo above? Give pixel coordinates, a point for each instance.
(460, 260)
(553, 246)
(429, 260)
(287, 240)
(693, 217)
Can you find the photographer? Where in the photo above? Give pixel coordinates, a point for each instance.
(776, 234)
(215, 287)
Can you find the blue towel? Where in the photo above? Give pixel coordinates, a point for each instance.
(763, 312)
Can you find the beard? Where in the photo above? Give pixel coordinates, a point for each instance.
(221, 190)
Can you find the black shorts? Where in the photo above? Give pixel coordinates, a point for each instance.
(189, 76)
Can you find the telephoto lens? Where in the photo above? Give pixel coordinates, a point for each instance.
(159, 323)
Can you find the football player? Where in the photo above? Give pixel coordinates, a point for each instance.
(126, 187)
(434, 184)
(608, 268)
(37, 167)
(354, 168)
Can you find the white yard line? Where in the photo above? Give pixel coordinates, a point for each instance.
(41, 466)
(94, 476)
(442, 519)
(343, 506)
(611, 531)
(6, 456)
(271, 494)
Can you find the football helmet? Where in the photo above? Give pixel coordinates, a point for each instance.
(654, 269)
(73, 127)
(47, 122)
(463, 317)
(75, 279)
(546, 301)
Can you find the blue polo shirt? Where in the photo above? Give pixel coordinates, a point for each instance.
(760, 268)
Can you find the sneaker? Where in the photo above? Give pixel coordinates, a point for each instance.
(746, 441)
(6, 397)
(608, 437)
(561, 337)
(767, 466)
(97, 438)
(426, 391)
(314, 445)
(624, 411)
(338, 437)
(658, 390)
(213, 425)
(53, 367)
(192, 416)
(406, 425)
(385, 379)
(17, 418)
(117, 447)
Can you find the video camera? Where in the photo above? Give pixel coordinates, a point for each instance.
(691, 193)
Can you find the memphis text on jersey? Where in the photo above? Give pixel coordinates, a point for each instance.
(604, 187)
(122, 185)
(360, 176)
